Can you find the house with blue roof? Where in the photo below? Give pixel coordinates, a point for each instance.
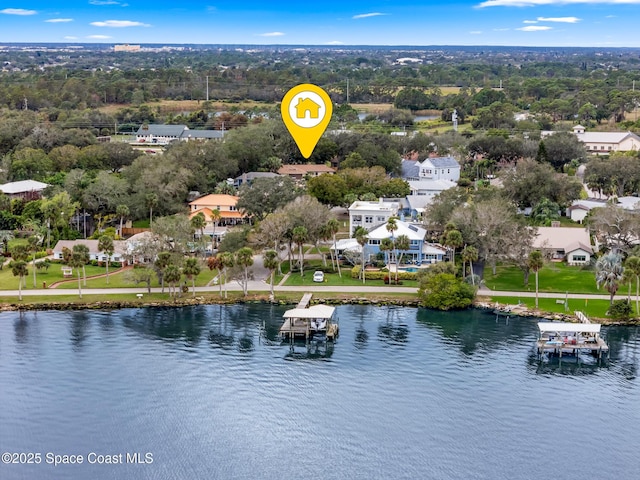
(419, 251)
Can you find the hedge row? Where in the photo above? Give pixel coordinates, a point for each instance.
(380, 275)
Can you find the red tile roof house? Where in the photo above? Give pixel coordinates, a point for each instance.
(225, 204)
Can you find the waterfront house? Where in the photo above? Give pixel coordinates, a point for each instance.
(371, 214)
(119, 254)
(419, 252)
(565, 243)
(225, 204)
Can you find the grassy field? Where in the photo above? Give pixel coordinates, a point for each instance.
(54, 274)
(592, 308)
(553, 277)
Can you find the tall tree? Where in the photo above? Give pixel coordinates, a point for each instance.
(162, 261)
(228, 261)
(536, 262)
(77, 262)
(123, 212)
(300, 236)
(172, 276)
(333, 227)
(362, 237)
(151, 200)
(401, 244)
(609, 272)
(105, 244)
(244, 259)
(19, 269)
(632, 264)
(215, 263)
(470, 255)
(191, 270)
(271, 260)
(83, 252)
(392, 227)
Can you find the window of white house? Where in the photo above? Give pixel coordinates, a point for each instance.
(368, 219)
(231, 208)
(414, 243)
(579, 258)
(380, 218)
(374, 241)
(357, 218)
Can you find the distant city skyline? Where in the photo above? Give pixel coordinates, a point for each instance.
(578, 23)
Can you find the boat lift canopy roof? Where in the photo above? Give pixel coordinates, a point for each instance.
(314, 311)
(558, 327)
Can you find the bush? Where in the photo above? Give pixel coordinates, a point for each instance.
(620, 310)
(381, 275)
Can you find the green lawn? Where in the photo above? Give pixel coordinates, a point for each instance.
(553, 277)
(591, 308)
(333, 279)
(54, 274)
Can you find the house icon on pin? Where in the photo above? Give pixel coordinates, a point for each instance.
(307, 105)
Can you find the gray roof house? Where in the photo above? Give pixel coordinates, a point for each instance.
(164, 134)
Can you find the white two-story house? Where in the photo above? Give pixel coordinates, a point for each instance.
(439, 168)
(371, 214)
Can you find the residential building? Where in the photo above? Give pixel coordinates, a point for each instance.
(430, 188)
(119, 255)
(565, 243)
(439, 168)
(225, 204)
(419, 252)
(371, 214)
(603, 143)
(26, 189)
(165, 134)
(247, 178)
(300, 172)
(579, 209)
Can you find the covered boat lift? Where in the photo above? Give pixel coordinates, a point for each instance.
(557, 338)
(309, 322)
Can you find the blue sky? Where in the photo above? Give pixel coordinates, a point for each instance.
(331, 22)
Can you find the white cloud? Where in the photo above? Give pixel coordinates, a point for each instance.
(18, 11)
(335, 42)
(533, 28)
(530, 21)
(367, 15)
(534, 3)
(271, 34)
(119, 24)
(59, 20)
(104, 2)
(99, 37)
(559, 19)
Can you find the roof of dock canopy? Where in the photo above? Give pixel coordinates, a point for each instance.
(569, 327)
(315, 311)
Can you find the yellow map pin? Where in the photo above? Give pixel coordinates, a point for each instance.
(306, 111)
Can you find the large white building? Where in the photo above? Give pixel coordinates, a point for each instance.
(371, 214)
(439, 168)
(604, 143)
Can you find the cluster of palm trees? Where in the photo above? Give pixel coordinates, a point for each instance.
(243, 259)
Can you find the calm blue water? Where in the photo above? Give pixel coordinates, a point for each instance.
(404, 394)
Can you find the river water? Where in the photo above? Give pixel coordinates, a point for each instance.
(209, 393)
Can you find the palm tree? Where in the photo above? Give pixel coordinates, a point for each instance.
(122, 211)
(105, 244)
(172, 275)
(20, 253)
(333, 227)
(33, 248)
(83, 251)
(391, 227)
(609, 271)
(151, 200)
(77, 261)
(215, 218)
(633, 266)
(163, 259)
(361, 236)
(300, 235)
(270, 260)
(401, 244)
(536, 262)
(216, 263)
(198, 222)
(228, 261)
(453, 239)
(19, 269)
(470, 255)
(191, 270)
(244, 259)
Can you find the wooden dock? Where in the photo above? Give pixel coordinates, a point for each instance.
(309, 321)
(558, 338)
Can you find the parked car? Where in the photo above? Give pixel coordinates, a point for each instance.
(318, 276)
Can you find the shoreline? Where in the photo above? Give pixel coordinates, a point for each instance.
(290, 298)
